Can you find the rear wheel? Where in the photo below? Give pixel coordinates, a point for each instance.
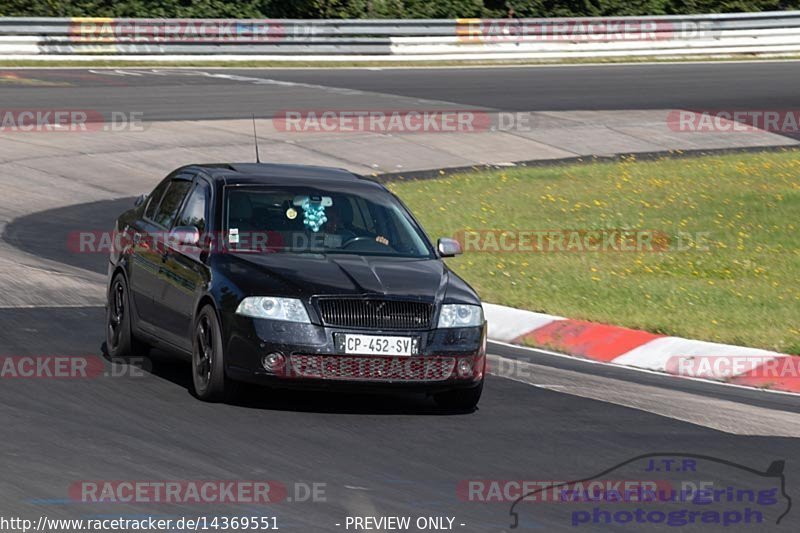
(120, 340)
(208, 360)
(460, 399)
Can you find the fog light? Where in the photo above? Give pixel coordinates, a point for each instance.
(273, 361)
(464, 367)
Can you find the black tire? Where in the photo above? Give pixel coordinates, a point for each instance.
(120, 339)
(208, 359)
(460, 399)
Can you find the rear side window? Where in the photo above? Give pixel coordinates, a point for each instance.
(194, 212)
(173, 198)
(155, 199)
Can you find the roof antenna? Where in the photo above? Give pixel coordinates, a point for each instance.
(255, 138)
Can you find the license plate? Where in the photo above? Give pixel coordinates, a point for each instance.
(352, 344)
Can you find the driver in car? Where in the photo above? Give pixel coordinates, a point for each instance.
(340, 223)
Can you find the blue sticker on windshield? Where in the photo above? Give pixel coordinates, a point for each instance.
(313, 214)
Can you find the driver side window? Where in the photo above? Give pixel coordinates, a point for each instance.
(194, 212)
(173, 198)
(155, 199)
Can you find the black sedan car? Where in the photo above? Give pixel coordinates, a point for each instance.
(293, 276)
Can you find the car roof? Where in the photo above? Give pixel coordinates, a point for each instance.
(272, 173)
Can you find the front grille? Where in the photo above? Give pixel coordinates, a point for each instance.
(337, 367)
(376, 314)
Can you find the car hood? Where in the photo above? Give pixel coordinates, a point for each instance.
(307, 275)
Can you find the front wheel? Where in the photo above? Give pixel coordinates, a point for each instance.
(460, 399)
(120, 340)
(208, 360)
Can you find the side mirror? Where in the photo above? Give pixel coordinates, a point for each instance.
(449, 247)
(139, 200)
(184, 236)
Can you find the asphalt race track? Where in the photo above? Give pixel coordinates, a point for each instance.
(367, 455)
(195, 93)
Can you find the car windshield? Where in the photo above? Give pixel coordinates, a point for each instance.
(320, 220)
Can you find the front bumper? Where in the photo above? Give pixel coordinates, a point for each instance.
(447, 358)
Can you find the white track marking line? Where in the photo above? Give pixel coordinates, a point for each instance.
(169, 71)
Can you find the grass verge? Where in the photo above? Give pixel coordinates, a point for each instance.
(729, 272)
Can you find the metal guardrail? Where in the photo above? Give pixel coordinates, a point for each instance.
(716, 34)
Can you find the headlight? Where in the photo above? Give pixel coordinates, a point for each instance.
(460, 316)
(288, 309)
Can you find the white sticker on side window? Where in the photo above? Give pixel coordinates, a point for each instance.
(233, 235)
